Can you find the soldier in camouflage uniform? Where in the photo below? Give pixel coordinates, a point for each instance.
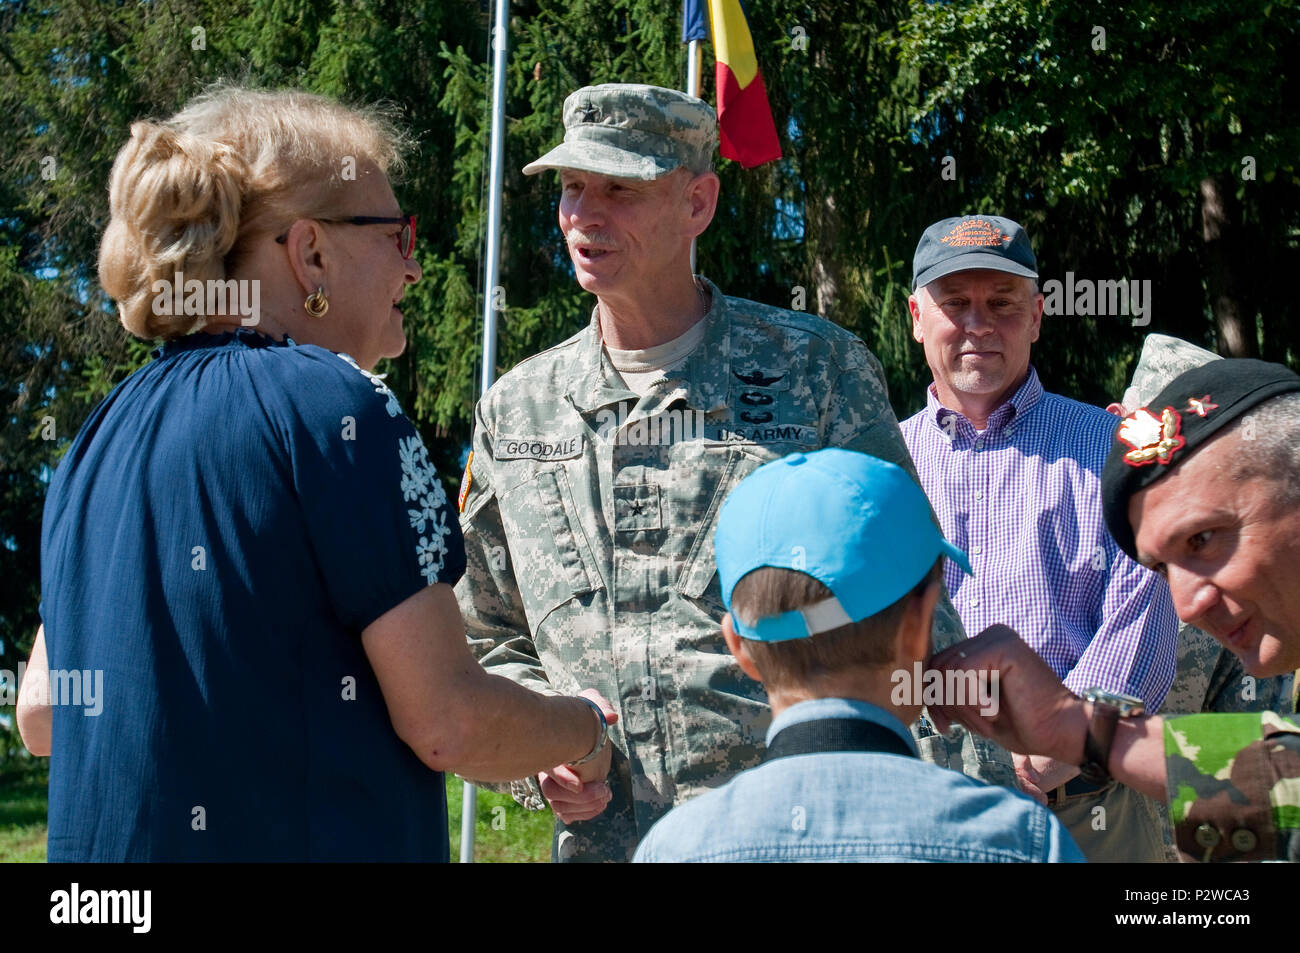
(1209, 677)
(1203, 485)
(591, 497)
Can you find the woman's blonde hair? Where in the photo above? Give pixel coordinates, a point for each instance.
(187, 194)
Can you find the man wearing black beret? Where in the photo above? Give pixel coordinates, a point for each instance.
(1203, 486)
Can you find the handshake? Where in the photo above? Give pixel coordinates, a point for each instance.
(577, 791)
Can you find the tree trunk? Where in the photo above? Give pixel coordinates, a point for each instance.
(1221, 253)
(826, 265)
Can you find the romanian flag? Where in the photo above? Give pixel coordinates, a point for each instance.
(744, 117)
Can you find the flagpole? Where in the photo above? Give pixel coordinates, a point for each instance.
(693, 62)
(500, 43)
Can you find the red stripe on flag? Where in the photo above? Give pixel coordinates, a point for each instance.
(745, 124)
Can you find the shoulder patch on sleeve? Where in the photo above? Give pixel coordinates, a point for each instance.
(464, 484)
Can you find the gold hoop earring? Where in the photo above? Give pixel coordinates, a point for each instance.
(316, 304)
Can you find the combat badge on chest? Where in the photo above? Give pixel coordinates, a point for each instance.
(760, 412)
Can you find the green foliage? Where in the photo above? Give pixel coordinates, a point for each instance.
(1103, 131)
(504, 833)
(23, 807)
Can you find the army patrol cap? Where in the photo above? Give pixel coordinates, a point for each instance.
(858, 525)
(1195, 406)
(633, 131)
(970, 242)
(1163, 358)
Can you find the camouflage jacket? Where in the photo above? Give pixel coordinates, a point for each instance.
(589, 517)
(1210, 678)
(1234, 786)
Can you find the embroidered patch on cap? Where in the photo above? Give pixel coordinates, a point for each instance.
(975, 231)
(1215, 395)
(1152, 439)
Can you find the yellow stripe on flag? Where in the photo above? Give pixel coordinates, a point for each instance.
(732, 43)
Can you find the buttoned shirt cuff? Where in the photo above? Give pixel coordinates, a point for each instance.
(1245, 816)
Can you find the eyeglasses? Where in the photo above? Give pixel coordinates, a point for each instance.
(405, 241)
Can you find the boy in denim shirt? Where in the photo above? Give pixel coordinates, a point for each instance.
(830, 570)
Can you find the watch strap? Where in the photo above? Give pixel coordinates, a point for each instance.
(1098, 742)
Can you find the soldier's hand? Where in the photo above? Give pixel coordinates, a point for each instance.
(1033, 712)
(1038, 775)
(573, 799)
(580, 793)
(1030, 780)
(611, 716)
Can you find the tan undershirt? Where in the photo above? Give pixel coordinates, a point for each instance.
(641, 368)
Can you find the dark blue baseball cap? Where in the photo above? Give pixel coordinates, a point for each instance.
(858, 525)
(970, 242)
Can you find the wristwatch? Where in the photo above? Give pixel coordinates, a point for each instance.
(1107, 709)
(602, 735)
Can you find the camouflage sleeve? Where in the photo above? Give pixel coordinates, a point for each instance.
(1234, 786)
(1210, 678)
(495, 625)
(859, 417)
(858, 413)
(1199, 664)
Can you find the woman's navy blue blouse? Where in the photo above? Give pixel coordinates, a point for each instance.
(216, 538)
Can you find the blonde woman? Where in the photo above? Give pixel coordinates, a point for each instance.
(247, 557)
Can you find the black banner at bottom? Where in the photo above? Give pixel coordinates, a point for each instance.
(135, 903)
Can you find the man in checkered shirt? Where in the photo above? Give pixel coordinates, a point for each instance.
(1013, 473)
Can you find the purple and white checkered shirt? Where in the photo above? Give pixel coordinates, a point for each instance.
(1023, 499)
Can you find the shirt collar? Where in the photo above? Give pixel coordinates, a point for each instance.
(1021, 402)
(249, 337)
(707, 371)
(818, 709)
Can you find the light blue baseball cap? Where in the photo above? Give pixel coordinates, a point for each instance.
(859, 525)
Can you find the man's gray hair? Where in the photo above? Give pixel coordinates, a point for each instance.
(1270, 436)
